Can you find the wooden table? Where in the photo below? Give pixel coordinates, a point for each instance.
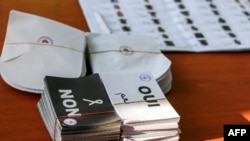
(209, 89)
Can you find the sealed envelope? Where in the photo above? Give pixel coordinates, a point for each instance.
(35, 47)
(111, 53)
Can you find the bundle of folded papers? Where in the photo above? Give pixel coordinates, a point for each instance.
(145, 112)
(78, 109)
(117, 106)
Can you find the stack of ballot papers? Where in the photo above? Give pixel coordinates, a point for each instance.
(145, 112)
(113, 53)
(78, 109)
(108, 106)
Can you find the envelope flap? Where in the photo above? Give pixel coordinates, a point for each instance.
(110, 42)
(12, 52)
(123, 53)
(24, 28)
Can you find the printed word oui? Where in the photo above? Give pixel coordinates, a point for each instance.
(148, 96)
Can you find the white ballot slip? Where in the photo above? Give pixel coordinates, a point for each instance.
(35, 46)
(139, 90)
(142, 106)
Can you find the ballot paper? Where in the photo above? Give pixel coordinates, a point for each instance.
(35, 46)
(112, 53)
(176, 25)
(145, 112)
(78, 109)
(108, 106)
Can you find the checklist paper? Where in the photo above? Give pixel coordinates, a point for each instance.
(176, 25)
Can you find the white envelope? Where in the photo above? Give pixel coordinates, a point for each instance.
(112, 53)
(35, 46)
